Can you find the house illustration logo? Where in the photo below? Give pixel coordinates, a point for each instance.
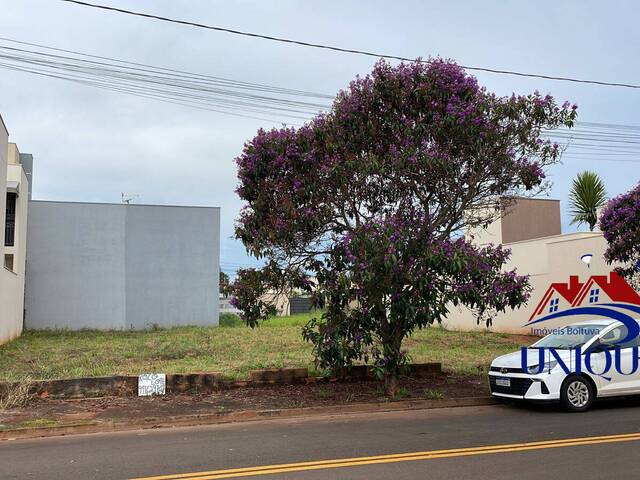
(600, 296)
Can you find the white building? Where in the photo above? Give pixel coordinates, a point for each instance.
(15, 173)
(560, 277)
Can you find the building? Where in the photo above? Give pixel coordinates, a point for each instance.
(119, 266)
(15, 181)
(101, 266)
(561, 280)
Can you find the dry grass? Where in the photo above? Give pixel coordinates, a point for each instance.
(231, 350)
(16, 394)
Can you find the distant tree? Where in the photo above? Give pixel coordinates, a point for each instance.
(371, 198)
(587, 196)
(225, 284)
(620, 223)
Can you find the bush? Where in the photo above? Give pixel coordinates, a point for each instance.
(230, 320)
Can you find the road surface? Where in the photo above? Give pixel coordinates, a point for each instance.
(463, 443)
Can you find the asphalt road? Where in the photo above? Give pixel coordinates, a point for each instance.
(463, 443)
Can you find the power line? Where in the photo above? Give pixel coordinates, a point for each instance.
(115, 72)
(121, 68)
(155, 82)
(624, 160)
(340, 49)
(240, 98)
(614, 126)
(165, 99)
(152, 97)
(183, 73)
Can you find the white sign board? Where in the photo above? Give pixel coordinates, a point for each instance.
(151, 384)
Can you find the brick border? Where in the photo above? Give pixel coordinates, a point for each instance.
(127, 385)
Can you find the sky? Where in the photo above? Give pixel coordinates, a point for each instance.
(92, 145)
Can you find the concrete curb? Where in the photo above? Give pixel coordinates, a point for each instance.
(240, 416)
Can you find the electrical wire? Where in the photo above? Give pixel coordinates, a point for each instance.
(251, 100)
(115, 77)
(179, 73)
(341, 49)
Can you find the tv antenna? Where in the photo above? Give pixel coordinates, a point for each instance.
(129, 197)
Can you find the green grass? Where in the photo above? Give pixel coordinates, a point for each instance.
(298, 320)
(463, 352)
(37, 422)
(402, 393)
(434, 394)
(232, 349)
(230, 320)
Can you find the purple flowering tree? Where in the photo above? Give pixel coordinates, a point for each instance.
(371, 200)
(620, 223)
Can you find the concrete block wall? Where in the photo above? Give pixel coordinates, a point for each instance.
(114, 266)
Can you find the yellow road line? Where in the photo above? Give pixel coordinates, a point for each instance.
(394, 458)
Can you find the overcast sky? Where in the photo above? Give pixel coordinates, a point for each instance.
(91, 145)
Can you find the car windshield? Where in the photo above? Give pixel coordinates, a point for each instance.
(571, 336)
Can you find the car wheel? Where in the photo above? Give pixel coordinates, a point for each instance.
(576, 394)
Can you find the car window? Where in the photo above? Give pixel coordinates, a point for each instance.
(571, 336)
(613, 338)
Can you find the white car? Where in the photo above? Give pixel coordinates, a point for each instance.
(575, 391)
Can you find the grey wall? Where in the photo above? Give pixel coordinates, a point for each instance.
(114, 266)
(26, 160)
(172, 261)
(75, 266)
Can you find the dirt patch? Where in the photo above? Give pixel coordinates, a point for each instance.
(120, 409)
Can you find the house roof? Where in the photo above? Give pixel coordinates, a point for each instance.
(568, 291)
(616, 288)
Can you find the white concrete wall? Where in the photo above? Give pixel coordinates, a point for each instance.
(226, 307)
(547, 260)
(114, 266)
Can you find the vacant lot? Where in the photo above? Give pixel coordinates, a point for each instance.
(231, 349)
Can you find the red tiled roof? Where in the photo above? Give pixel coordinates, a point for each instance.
(568, 291)
(616, 288)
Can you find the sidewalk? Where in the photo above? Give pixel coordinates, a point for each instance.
(45, 417)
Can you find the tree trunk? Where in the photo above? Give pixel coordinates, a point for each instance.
(392, 345)
(394, 355)
(390, 384)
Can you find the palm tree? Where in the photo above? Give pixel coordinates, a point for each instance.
(587, 196)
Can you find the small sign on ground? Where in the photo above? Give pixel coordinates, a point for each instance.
(151, 384)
